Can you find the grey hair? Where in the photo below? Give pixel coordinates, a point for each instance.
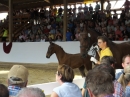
(30, 92)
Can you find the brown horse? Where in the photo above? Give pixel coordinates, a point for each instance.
(73, 60)
(89, 37)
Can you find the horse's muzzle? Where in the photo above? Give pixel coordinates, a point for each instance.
(47, 56)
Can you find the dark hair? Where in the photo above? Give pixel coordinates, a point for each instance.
(103, 38)
(4, 91)
(99, 82)
(109, 60)
(66, 72)
(107, 68)
(123, 59)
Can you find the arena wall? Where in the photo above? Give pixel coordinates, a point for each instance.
(35, 52)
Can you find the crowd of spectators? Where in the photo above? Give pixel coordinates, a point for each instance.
(48, 24)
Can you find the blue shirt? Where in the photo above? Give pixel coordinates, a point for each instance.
(127, 91)
(68, 36)
(68, 90)
(13, 90)
(118, 74)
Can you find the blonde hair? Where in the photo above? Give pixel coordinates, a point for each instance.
(124, 78)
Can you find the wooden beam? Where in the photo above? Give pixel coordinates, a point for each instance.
(28, 1)
(31, 5)
(4, 9)
(5, 3)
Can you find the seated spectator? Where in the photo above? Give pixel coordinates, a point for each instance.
(65, 76)
(4, 91)
(126, 38)
(42, 39)
(118, 31)
(17, 79)
(30, 92)
(107, 64)
(99, 83)
(124, 79)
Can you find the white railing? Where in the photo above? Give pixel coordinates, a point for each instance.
(48, 87)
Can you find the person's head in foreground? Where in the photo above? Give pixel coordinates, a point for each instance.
(18, 76)
(124, 78)
(108, 60)
(4, 91)
(64, 74)
(30, 92)
(99, 83)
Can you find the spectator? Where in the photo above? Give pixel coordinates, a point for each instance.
(108, 7)
(65, 76)
(105, 50)
(5, 35)
(30, 92)
(97, 7)
(99, 83)
(107, 64)
(17, 79)
(124, 79)
(126, 38)
(69, 36)
(4, 91)
(125, 63)
(108, 60)
(126, 5)
(90, 8)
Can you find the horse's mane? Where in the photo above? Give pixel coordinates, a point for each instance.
(59, 46)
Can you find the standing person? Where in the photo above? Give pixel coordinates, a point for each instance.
(65, 76)
(125, 63)
(108, 7)
(90, 8)
(17, 79)
(97, 7)
(124, 79)
(105, 50)
(4, 91)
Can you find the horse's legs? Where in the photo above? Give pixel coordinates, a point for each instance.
(81, 69)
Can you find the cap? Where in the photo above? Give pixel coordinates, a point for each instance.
(18, 74)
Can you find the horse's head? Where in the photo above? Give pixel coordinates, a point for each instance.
(50, 50)
(84, 39)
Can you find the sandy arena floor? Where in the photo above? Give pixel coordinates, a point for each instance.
(37, 73)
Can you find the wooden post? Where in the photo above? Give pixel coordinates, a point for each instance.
(10, 20)
(65, 20)
(102, 5)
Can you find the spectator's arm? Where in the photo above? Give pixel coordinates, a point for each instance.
(54, 94)
(83, 92)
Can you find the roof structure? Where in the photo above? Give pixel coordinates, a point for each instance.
(23, 4)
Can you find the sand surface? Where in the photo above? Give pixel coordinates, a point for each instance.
(38, 73)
